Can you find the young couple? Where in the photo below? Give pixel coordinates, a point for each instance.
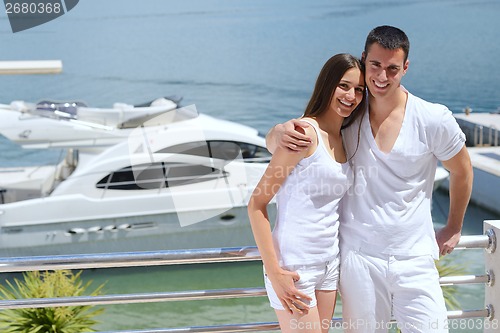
(353, 180)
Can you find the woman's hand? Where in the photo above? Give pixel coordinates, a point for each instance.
(291, 298)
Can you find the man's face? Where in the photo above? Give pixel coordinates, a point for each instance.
(384, 70)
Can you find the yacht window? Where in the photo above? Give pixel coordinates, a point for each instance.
(198, 148)
(158, 175)
(226, 150)
(254, 154)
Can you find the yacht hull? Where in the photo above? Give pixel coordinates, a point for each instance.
(128, 233)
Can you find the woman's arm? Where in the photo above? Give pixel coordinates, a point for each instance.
(282, 163)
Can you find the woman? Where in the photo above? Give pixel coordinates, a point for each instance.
(301, 255)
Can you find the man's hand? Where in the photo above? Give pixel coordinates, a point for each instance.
(291, 298)
(289, 135)
(447, 238)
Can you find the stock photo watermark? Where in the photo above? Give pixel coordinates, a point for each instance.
(362, 324)
(25, 14)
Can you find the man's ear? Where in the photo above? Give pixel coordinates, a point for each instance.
(363, 56)
(405, 66)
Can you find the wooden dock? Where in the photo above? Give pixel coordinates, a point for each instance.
(30, 67)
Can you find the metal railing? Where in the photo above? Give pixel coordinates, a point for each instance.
(198, 256)
(493, 135)
(479, 136)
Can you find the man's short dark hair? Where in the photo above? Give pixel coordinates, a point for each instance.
(388, 37)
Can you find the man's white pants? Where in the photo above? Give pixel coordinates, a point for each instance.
(375, 288)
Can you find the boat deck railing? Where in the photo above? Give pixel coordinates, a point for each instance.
(238, 254)
(480, 139)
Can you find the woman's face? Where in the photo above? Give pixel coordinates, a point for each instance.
(348, 93)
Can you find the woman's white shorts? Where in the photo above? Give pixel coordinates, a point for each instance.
(313, 277)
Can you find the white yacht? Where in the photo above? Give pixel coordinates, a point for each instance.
(53, 124)
(180, 180)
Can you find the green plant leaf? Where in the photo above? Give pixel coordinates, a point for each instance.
(50, 284)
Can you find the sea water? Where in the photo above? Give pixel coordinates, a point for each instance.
(254, 62)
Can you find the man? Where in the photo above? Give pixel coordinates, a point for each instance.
(388, 244)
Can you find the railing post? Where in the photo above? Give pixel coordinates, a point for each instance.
(478, 135)
(493, 135)
(492, 290)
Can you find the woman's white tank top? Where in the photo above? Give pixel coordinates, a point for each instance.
(307, 222)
